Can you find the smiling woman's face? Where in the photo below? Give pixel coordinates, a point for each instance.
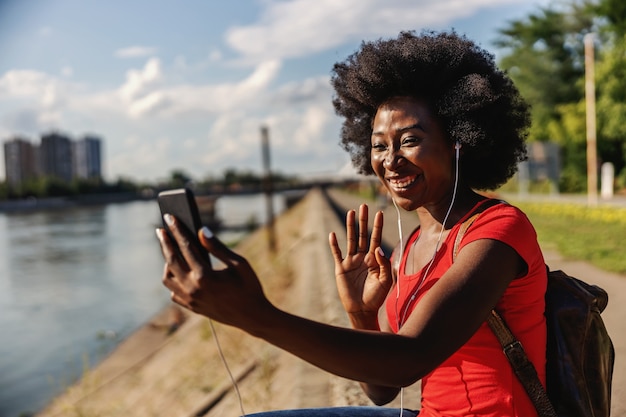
(411, 154)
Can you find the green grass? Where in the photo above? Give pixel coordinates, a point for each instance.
(592, 234)
(578, 232)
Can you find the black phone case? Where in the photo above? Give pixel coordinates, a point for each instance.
(181, 203)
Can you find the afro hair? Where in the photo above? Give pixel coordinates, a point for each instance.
(476, 102)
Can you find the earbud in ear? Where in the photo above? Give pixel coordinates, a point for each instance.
(457, 145)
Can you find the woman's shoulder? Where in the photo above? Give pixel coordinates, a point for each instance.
(500, 220)
(500, 211)
(505, 222)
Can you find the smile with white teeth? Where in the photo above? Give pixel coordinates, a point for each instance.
(401, 183)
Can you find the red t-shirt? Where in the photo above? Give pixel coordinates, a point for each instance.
(477, 380)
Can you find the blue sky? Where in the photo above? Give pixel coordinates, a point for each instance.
(187, 84)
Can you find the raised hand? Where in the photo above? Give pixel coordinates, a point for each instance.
(364, 275)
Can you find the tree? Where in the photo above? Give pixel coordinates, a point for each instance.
(611, 104)
(4, 190)
(179, 179)
(545, 60)
(614, 11)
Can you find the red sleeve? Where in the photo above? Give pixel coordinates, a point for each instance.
(509, 225)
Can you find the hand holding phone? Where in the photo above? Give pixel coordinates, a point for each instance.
(181, 203)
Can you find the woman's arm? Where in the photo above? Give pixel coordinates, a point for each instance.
(445, 318)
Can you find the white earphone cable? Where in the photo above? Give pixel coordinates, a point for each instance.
(230, 374)
(457, 148)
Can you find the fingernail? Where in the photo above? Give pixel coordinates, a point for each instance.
(158, 233)
(207, 232)
(380, 251)
(168, 219)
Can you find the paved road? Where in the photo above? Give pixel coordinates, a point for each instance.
(614, 315)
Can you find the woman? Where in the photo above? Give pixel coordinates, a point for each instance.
(434, 119)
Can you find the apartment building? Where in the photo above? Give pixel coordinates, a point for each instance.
(20, 161)
(55, 156)
(86, 158)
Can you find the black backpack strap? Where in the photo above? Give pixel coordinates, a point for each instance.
(522, 366)
(512, 348)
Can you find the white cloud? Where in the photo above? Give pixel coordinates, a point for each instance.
(148, 104)
(314, 120)
(261, 77)
(156, 119)
(67, 71)
(190, 143)
(297, 28)
(24, 83)
(135, 51)
(233, 137)
(229, 116)
(150, 165)
(35, 101)
(144, 96)
(183, 67)
(138, 81)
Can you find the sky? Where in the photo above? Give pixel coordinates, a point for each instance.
(188, 84)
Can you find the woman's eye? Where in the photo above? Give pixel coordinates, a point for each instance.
(378, 147)
(410, 140)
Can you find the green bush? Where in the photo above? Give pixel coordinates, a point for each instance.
(571, 181)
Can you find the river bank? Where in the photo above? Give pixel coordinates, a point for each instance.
(49, 203)
(157, 372)
(75, 283)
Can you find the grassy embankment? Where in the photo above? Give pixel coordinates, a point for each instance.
(576, 231)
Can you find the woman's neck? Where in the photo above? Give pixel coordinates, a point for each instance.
(431, 217)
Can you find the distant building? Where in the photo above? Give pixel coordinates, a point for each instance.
(86, 158)
(55, 155)
(20, 161)
(543, 164)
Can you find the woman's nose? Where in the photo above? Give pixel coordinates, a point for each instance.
(392, 158)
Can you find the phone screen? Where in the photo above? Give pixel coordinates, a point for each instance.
(181, 203)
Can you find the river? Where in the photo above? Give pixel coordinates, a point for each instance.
(74, 283)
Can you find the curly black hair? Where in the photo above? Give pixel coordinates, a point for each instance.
(476, 102)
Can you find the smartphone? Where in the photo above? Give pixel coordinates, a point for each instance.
(181, 203)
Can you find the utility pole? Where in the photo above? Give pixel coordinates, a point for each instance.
(590, 99)
(268, 188)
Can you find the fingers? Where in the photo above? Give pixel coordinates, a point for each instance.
(334, 247)
(166, 248)
(173, 285)
(357, 239)
(190, 252)
(363, 230)
(170, 254)
(385, 267)
(381, 259)
(218, 249)
(377, 231)
(352, 243)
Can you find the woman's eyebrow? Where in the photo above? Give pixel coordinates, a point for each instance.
(401, 129)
